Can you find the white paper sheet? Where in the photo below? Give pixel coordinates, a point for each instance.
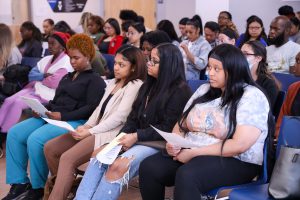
(61, 124)
(35, 105)
(110, 156)
(175, 139)
(111, 151)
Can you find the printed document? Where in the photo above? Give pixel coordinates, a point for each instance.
(35, 105)
(61, 124)
(175, 139)
(111, 151)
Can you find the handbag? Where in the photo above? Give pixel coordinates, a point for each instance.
(285, 179)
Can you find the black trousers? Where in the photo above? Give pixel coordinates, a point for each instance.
(198, 176)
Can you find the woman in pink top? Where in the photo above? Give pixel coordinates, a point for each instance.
(44, 79)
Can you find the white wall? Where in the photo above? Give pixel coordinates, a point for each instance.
(40, 10)
(265, 9)
(5, 12)
(174, 10)
(209, 9)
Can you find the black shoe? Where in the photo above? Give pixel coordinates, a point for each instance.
(17, 191)
(35, 194)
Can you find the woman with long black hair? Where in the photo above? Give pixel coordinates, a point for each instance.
(228, 119)
(159, 103)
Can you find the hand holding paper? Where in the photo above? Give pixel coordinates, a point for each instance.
(175, 139)
(110, 151)
(35, 105)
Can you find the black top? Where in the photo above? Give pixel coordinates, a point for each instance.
(270, 88)
(103, 47)
(295, 109)
(32, 48)
(104, 106)
(77, 99)
(165, 120)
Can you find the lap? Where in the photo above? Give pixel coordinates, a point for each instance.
(139, 152)
(49, 131)
(21, 131)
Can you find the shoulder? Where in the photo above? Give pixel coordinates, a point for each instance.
(254, 96)
(202, 90)
(265, 81)
(118, 38)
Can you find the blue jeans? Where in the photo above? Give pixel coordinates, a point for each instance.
(26, 140)
(94, 184)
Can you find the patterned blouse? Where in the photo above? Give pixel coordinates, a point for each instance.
(200, 49)
(209, 123)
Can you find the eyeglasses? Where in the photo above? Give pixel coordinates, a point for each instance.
(255, 28)
(249, 54)
(153, 62)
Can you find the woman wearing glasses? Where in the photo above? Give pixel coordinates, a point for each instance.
(254, 31)
(159, 103)
(256, 55)
(112, 40)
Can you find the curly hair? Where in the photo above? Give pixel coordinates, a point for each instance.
(83, 43)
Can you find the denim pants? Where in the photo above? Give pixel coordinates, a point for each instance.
(94, 184)
(26, 140)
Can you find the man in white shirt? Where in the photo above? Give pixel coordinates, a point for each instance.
(282, 52)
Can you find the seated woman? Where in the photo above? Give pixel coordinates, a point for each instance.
(227, 36)
(111, 42)
(256, 55)
(77, 95)
(194, 50)
(254, 31)
(228, 119)
(95, 27)
(44, 81)
(291, 104)
(31, 44)
(135, 32)
(152, 39)
(159, 103)
(168, 27)
(67, 152)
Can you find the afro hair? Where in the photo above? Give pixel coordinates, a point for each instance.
(84, 44)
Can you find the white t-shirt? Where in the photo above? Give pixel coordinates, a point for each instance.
(209, 123)
(280, 59)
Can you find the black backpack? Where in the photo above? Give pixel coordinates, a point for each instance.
(16, 77)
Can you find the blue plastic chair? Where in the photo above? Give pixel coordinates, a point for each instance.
(30, 61)
(261, 179)
(289, 132)
(286, 79)
(195, 84)
(278, 104)
(110, 60)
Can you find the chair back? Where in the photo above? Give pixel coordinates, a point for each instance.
(110, 61)
(286, 79)
(278, 104)
(289, 133)
(30, 61)
(195, 84)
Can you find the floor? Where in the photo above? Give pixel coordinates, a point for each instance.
(132, 193)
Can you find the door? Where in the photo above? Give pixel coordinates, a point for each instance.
(145, 8)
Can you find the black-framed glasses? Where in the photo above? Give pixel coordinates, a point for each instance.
(153, 62)
(249, 54)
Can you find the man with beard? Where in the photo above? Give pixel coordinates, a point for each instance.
(282, 52)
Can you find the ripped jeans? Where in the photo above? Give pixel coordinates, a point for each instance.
(94, 184)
